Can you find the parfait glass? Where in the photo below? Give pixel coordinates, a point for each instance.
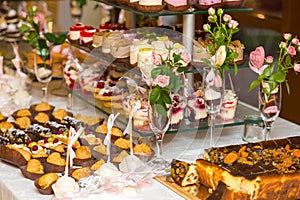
(269, 106)
(213, 91)
(159, 124)
(43, 70)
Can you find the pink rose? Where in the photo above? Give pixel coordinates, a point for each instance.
(269, 59)
(257, 59)
(164, 56)
(233, 24)
(186, 57)
(206, 27)
(155, 58)
(287, 36)
(282, 44)
(297, 67)
(211, 11)
(291, 50)
(162, 80)
(271, 110)
(227, 18)
(169, 44)
(296, 41)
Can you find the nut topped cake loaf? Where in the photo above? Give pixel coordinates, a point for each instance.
(263, 170)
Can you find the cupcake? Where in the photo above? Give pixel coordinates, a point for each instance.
(150, 6)
(177, 5)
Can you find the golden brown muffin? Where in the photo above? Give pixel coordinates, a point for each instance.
(4, 126)
(42, 107)
(83, 152)
(101, 149)
(24, 112)
(97, 165)
(142, 149)
(42, 118)
(122, 143)
(59, 114)
(120, 157)
(23, 122)
(81, 173)
(35, 166)
(56, 159)
(90, 120)
(47, 180)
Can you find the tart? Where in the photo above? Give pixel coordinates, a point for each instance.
(44, 183)
(33, 170)
(55, 163)
(23, 122)
(41, 118)
(80, 173)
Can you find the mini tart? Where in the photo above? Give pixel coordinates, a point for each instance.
(142, 149)
(55, 163)
(41, 118)
(23, 112)
(80, 173)
(42, 107)
(23, 122)
(59, 114)
(97, 164)
(4, 126)
(35, 166)
(122, 143)
(44, 183)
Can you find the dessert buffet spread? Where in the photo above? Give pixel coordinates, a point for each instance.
(42, 140)
(263, 170)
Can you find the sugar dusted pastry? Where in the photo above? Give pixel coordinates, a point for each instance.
(24, 112)
(4, 126)
(59, 114)
(83, 152)
(47, 180)
(101, 149)
(35, 166)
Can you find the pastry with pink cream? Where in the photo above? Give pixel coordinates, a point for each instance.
(177, 5)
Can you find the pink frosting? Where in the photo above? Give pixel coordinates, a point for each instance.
(177, 2)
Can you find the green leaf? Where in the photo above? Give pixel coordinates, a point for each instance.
(268, 71)
(155, 95)
(155, 72)
(160, 109)
(50, 37)
(181, 69)
(279, 76)
(288, 60)
(166, 97)
(60, 39)
(254, 84)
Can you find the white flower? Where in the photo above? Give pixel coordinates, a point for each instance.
(220, 56)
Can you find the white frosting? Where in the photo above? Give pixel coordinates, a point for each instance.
(134, 50)
(74, 35)
(150, 2)
(211, 94)
(12, 28)
(87, 39)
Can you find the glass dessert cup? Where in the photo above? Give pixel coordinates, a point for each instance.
(269, 107)
(43, 71)
(213, 90)
(159, 124)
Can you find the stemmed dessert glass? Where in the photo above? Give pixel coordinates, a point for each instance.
(213, 91)
(159, 124)
(269, 107)
(43, 71)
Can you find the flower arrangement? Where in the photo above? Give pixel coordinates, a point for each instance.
(33, 32)
(275, 72)
(165, 78)
(221, 28)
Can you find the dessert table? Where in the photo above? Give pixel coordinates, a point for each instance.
(183, 145)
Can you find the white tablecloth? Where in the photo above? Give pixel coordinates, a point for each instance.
(185, 146)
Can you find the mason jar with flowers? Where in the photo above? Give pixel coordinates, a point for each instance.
(271, 75)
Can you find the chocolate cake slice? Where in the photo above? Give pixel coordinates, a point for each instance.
(264, 170)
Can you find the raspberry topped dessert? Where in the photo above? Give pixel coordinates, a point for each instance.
(196, 107)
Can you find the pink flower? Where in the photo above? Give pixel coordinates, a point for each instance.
(269, 59)
(164, 56)
(162, 80)
(291, 50)
(233, 24)
(297, 67)
(23, 14)
(155, 58)
(211, 11)
(287, 36)
(282, 45)
(211, 18)
(296, 41)
(257, 59)
(206, 27)
(271, 110)
(169, 44)
(186, 57)
(227, 18)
